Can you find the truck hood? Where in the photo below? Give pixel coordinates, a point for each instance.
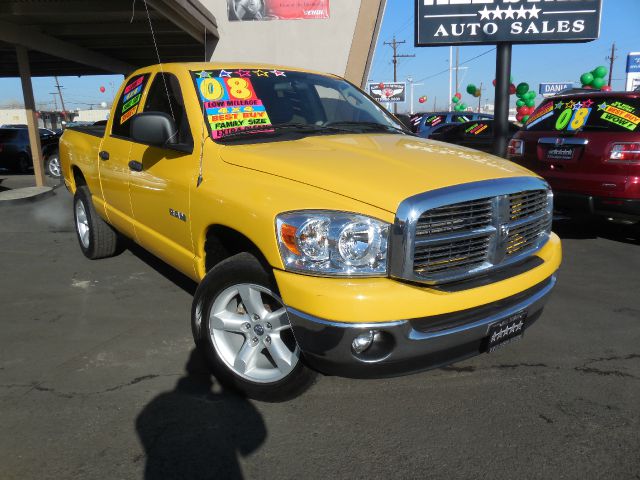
(379, 169)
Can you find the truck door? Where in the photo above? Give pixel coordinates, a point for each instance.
(160, 179)
(114, 155)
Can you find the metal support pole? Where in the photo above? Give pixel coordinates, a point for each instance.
(501, 113)
(32, 121)
(450, 79)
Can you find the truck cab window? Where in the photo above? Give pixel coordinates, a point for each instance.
(165, 96)
(128, 105)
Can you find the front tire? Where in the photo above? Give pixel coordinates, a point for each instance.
(96, 237)
(240, 323)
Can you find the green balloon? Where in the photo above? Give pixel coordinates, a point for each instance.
(522, 88)
(471, 89)
(586, 78)
(598, 83)
(531, 103)
(525, 118)
(455, 99)
(520, 103)
(600, 72)
(530, 95)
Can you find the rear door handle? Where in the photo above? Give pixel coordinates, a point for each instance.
(104, 155)
(135, 166)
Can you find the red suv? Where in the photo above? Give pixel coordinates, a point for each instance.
(587, 146)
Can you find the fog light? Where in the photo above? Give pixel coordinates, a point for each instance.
(363, 341)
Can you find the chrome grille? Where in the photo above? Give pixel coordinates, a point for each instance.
(527, 235)
(458, 232)
(526, 204)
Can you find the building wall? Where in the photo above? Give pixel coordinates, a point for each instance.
(318, 44)
(13, 116)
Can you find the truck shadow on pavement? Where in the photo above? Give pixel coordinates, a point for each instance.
(191, 432)
(579, 228)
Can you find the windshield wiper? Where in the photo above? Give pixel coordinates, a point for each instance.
(281, 127)
(371, 126)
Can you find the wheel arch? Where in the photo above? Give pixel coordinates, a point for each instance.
(221, 242)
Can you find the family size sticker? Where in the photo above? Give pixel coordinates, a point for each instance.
(231, 104)
(131, 98)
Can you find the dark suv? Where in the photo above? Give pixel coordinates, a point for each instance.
(587, 146)
(15, 151)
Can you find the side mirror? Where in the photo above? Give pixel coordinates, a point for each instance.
(154, 128)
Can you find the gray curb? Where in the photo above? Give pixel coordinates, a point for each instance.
(29, 198)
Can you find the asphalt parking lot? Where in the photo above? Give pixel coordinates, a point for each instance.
(98, 379)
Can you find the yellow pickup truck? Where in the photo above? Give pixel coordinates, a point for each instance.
(324, 235)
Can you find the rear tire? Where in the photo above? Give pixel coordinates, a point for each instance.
(23, 165)
(96, 237)
(240, 323)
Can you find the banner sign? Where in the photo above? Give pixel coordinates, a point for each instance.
(458, 22)
(241, 10)
(552, 88)
(388, 92)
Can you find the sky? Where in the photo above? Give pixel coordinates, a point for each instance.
(530, 63)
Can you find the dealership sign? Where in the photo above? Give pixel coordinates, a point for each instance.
(388, 92)
(451, 22)
(551, 88)
(633, 71)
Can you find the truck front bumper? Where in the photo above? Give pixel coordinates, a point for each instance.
(406, 346)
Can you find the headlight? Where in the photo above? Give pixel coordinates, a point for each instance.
(332, 243)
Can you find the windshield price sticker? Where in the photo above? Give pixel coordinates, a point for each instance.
(619, 113)
(477, 128)
(230, 103)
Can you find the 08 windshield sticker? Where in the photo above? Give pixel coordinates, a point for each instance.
(131, 98)
(230, 102)
(620, 114)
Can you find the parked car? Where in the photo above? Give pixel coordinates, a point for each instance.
(431, 120)
(15, 150)
(322, 233)
(476, 134)
(587, 146)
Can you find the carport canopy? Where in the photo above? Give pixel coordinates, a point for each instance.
(88, 37)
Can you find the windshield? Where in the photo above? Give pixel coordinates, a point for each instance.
(237, 101)
(570, 114)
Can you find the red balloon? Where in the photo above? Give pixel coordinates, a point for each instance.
(519, 117)
(459, 95)
(102, 89)
(494, 82)
(512, 89)
(381, 85)
(606, 88)
(421, 99)
(587, 87)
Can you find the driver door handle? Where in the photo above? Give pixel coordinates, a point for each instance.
(135, 166)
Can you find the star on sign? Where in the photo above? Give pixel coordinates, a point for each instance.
(497, 13)
(484, 13)
(533, 12)
(278, 73)
(577, 106)
(204, 74)
(509, 12)
(571, 104)
(587, 103)
(261, 73)
(602, 106)
(224, 73)
(243, 73)
(559, 105)
(521, 12)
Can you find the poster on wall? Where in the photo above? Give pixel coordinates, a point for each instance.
(633, 71)
(246, 10)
